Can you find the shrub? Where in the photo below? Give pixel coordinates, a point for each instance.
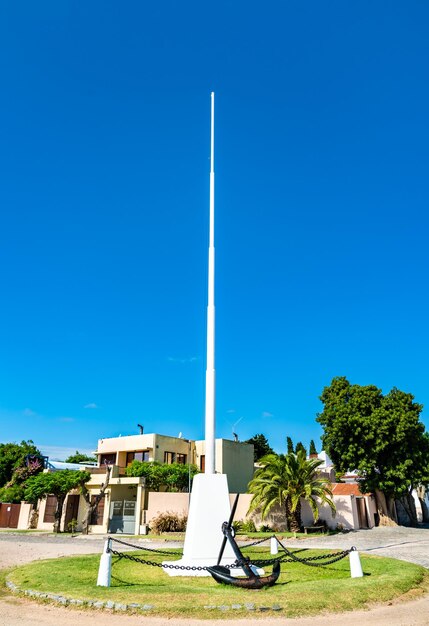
(12, 493)
(174, 477)
(265, 529)
(244, 526)
(168, 522)
(237, 525)
(248, 526)
(72, 525)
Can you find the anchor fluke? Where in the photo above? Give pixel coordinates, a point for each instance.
(251, 580)
(222, 575)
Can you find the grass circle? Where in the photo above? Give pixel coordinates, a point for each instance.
(300, 591)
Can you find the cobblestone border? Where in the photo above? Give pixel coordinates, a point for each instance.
(64, 601)
(122, 608)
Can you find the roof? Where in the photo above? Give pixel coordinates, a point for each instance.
(347, 489)
(61, 465)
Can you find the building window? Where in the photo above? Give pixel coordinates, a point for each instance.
(108, 459)
(203, 462)
(181, 458)
(139, 455)
(169, 457)
(50, 508)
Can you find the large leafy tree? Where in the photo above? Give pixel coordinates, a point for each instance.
(12, 457)
(79, 457)
(261, 446)
(56, 484)
(284, 480)
(380, 436)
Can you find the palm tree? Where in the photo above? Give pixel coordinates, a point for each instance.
(284, 480)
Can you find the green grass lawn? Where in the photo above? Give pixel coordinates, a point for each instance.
(300, 590)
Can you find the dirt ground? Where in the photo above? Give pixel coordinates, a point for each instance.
(17, 549)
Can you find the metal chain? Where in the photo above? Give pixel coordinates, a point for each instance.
(157, 551)
(327, 559)
(194, 568)
(255, 543)
(288, 557)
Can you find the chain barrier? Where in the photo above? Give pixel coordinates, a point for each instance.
(256, 543)
(288, 557)
(193, 568)
(327, 559)
(156, 550)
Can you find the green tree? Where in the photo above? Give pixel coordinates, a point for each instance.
(79, 457)
(313, 449)
(380, 436)
(12, 456)
(284, 480)
(56, 484)
(13, 493)
(175, 476)
(300, 446)
(289, 445)
(261, 446)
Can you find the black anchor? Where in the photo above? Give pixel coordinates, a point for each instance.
(252, 580)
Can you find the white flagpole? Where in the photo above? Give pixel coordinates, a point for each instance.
(210, 371)
(209, 506)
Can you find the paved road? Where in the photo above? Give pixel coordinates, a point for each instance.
(407, 544)
(402, 543)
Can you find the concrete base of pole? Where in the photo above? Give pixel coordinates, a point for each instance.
(209, 508)
(105, 568)
(355, 564)
(274, 546)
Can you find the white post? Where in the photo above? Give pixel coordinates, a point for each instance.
(274, 546)
(355, 564)
(210, 370)
(105, 568)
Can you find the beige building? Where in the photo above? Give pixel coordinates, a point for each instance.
(233, 458)
(128, 506)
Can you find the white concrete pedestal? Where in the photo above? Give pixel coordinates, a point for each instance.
(208, 509)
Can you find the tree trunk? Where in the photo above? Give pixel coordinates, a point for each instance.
(93, 505)
(295, 525)
(34, 517)
(58, 513)
(293, 518)
(407, 502)
(385, 509)
(287, 514)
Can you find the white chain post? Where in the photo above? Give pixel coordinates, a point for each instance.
(274, 546)
(105, 568)
(355, 564)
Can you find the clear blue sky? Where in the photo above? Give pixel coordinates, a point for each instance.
(322, 155)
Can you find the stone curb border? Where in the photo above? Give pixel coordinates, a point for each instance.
(118, 606)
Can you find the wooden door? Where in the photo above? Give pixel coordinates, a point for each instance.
(72, 509)
(98, 513)
(9, 515)
(362, 516)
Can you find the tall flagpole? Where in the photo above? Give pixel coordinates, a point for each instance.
(209, 505)
(210, 371)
